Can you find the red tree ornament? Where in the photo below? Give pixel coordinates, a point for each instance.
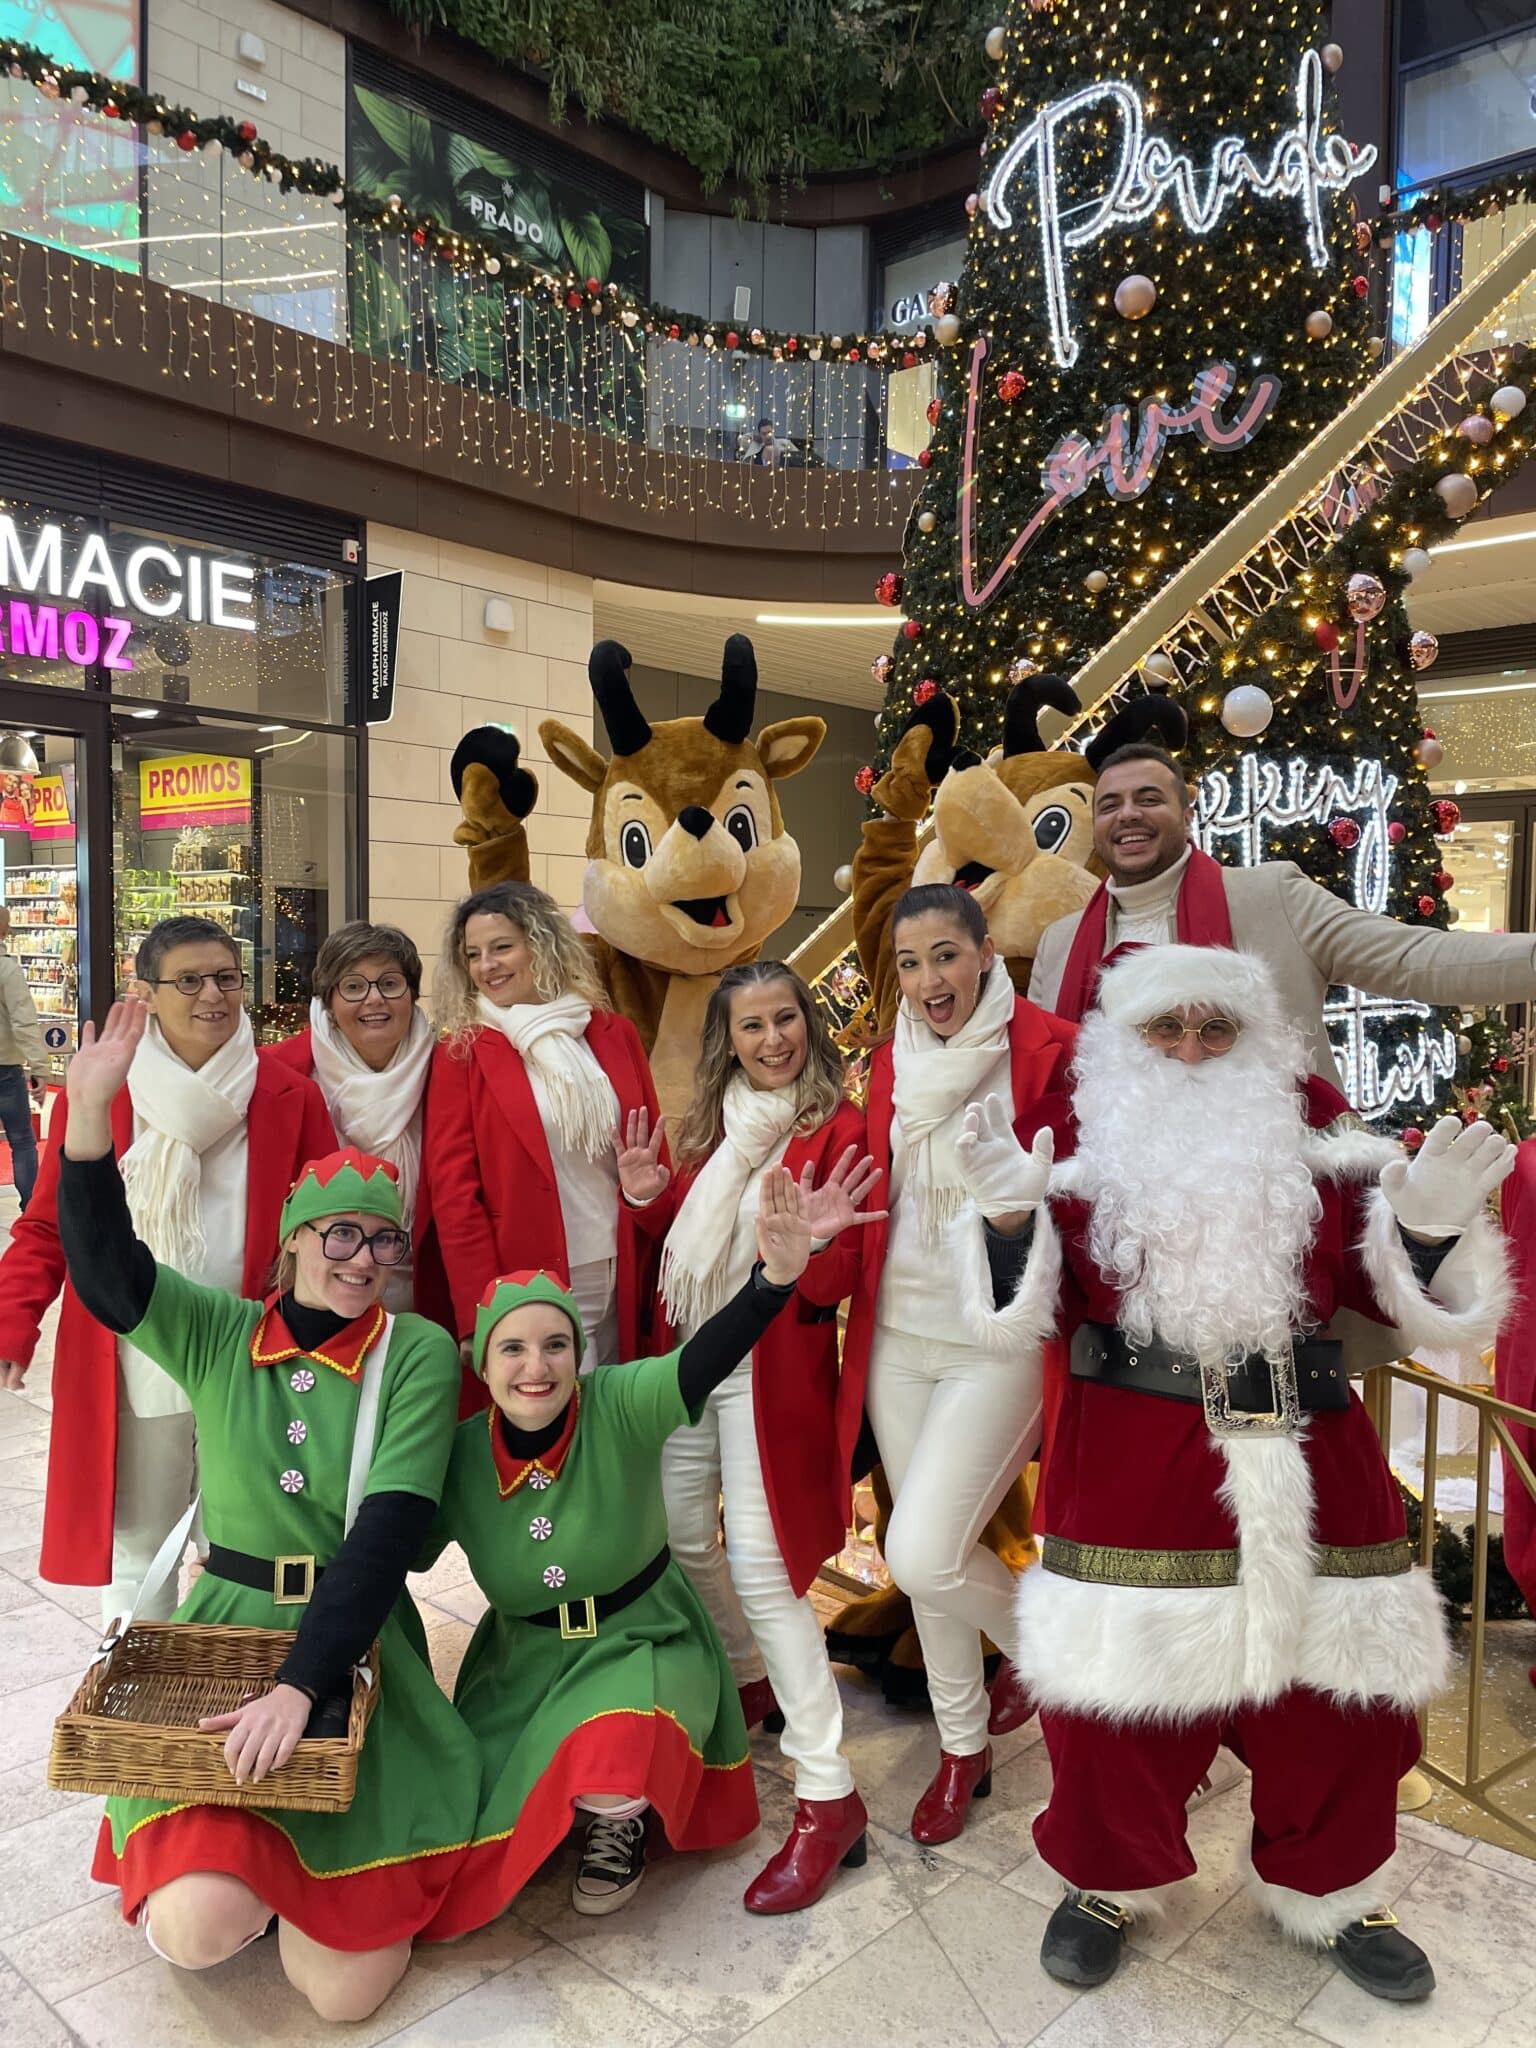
(1360, 286)
(1501, 1065)
(925, 459)
(911, 628)
(1443, 882)
(1344, 833)
(732, 339)
(991, 103)
(1412, 1140)
(1397, 831)
(419, 237)
(853, 355)
(247, 131)
(925, 691)
(864, 781)
(186, 140)
(793, 344)
(888, 589)
(1326, 635)
(594, 286)
(672, 332)
(1011, 386)
(1434, 222)
(933, 412)
(1426, 906)
(1447, 816)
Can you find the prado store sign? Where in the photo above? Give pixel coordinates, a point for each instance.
(63, 595)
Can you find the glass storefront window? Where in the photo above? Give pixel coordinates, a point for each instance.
(253, 828)
(39, 885)
(1471, 106)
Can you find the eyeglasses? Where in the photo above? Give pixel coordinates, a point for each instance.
(1217, 1035)
(353, 988)
(228, 981)
(343, 1241)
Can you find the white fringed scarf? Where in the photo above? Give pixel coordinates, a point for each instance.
(183, 1113)
(694, 1266)
(551, 1039)
(934, 1079)
(378, 1112)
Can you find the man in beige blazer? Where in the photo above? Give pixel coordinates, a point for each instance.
(1142, 825)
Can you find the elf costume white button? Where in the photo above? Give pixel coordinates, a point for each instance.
(302, 1382)
(297, 1431)
(292, 1482)
(553, 1576)
(541, 1528)
(538, 1480)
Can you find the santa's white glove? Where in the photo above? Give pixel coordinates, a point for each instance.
(1003, 1179)
(1446, 1184)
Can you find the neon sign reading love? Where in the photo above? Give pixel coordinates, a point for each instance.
(1305, 165)
(1126, 462)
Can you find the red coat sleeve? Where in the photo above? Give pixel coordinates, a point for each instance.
(452, 1168)
(32, 1272)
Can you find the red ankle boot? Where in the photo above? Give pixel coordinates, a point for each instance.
(1011, 1703)
(828, 1834)
(940, 1814)
(759, 1705)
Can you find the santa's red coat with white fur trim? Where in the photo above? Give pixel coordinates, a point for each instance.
(1320, 1595)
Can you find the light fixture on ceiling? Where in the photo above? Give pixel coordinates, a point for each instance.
(1487, 540)
(16, 756)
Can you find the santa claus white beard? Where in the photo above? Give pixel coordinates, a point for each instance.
(1202, 1206)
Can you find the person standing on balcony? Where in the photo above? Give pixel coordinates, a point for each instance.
(954, 1426)
(526, 1099)
(21, 1048)
(369, 1049)
(777, 1434)
(766, 449)
(122, 1453)
(1161, 886)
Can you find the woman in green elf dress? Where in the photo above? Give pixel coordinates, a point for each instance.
(596, 1681)
(280, 1392)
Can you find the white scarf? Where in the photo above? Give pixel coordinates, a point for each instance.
(694, 1264)
(376, 1112)
(934, 1079)
(551, 1039)
(183, 1114)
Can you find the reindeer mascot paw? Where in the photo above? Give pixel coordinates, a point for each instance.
(1017, 830)
(496, 794)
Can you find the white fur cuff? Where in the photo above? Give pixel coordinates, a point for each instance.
(1313, 1919)
(1468, 1298)
(1020, 1325)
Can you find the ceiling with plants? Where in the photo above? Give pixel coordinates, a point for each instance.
(753, 91)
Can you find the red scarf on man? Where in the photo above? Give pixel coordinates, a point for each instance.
(1203, 920)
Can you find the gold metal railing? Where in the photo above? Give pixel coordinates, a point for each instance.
(1494, 1417)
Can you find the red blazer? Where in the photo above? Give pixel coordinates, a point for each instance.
(289, 1126)
(807, 1412)
(429, 1280)
(1040, 1048)
(491, 1181)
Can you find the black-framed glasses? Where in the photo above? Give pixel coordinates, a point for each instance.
(343, 1241)
(354, 988)
(1217, 1035)
(228, 981)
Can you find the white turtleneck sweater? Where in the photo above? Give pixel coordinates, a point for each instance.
(1146, 913)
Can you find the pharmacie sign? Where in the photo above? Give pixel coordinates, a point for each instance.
(64, 596)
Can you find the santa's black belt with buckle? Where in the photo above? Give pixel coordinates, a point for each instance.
(578, 1619)
(290, 1580)
(1103, 1353)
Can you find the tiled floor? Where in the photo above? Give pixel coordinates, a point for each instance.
(919, 1948)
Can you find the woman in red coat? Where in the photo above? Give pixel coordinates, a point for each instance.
(777, 1435)
(528, 1094)
(954, 1427)
(368, 1049)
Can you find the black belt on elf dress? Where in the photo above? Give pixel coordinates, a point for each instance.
(577, 1620)
(290, 1580)
(1102, 1352)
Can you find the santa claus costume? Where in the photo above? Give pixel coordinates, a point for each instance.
(1224, 1553)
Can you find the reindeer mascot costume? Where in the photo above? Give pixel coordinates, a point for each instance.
(1017, 830)
(689, 868)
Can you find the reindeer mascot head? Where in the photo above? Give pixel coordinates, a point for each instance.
(1016, 829)
(689, 868)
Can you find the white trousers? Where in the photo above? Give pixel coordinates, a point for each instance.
(955, 1427)
(596, 1289)
(745, 1587)
(156, 1478)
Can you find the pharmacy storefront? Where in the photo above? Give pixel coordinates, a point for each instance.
(180, 726)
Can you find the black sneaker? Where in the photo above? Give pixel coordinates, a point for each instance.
(1375, 1954)
(1083, 1940)
(612, 1864)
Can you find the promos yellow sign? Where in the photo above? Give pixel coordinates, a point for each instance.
(194, 789)
(51, 818)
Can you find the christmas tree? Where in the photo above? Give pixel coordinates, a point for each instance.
(1162, 302)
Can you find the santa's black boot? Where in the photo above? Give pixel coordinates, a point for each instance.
(1083, 1940)
(1376, 1954)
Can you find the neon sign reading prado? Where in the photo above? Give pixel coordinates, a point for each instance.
(73, 583)
(1305, 165)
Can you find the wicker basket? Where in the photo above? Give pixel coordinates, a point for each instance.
(131, 1728)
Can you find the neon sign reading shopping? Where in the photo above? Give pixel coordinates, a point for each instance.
(1305, 165)
(62, 578)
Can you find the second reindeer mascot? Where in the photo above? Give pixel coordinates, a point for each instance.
(1224, 1557)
